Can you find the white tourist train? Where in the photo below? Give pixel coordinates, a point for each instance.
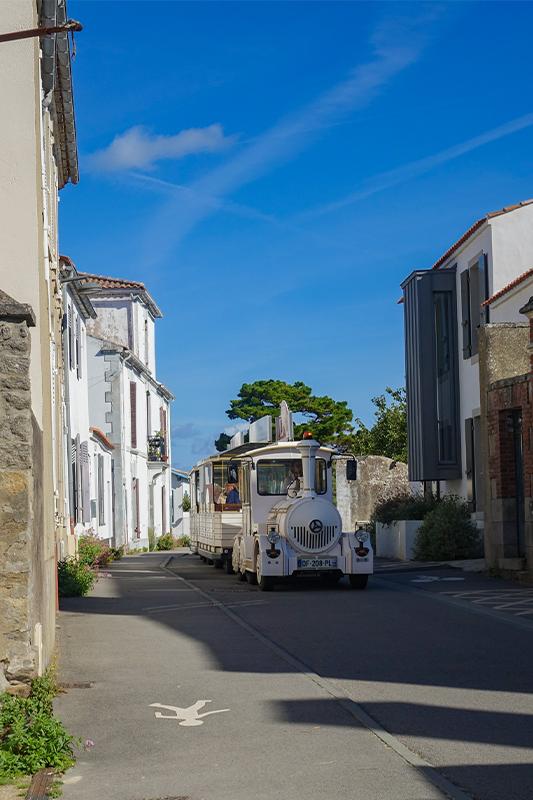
(265, 511)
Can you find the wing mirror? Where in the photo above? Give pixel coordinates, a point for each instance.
(351, 470)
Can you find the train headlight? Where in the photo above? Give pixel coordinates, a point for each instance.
(361, 536)
(273, 536)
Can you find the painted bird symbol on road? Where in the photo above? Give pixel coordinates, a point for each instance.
(189, 716)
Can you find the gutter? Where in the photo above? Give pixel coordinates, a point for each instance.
(57, 86)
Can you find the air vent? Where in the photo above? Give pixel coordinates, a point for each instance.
(314, 542)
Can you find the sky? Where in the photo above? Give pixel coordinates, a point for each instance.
(273, 170)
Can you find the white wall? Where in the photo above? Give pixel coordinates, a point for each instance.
(507, 308)
(113, 320)
(22, 241)
(512, 245)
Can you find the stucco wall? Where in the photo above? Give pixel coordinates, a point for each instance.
(21, 244)
(507, 308)
(512, 242)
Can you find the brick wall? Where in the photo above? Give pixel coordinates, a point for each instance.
(507, 427)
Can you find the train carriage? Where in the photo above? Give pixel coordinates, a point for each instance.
(214, 521)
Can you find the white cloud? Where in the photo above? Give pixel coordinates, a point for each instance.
(396, 45)
(411, 170)
(138, 148)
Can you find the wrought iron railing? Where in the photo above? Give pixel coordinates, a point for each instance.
(157, 448)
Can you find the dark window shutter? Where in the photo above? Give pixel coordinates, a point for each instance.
(469, 455)
(465, 310)
(133, 413)
(475, 306)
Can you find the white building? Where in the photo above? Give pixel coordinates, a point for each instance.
(130, 407)
(444, 309)
(180, 517)
(88, 452)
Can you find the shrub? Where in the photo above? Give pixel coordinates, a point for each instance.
(447, 532)
(165, 542)
(186, 502)
(93, 552)
(75, 578)
(183, 541)
(31, 738)
(151, 539)
(403, 506)
(116, 552)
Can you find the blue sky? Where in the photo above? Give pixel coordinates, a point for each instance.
(273, 170)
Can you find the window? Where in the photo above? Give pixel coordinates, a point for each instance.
(101, 495)
(275, 476)
(133, 413)
(474, 291)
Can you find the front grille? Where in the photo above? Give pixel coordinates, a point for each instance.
(313, 542)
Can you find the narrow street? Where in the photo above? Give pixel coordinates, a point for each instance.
(418, 688)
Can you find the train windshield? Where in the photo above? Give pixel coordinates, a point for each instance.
(276, 476)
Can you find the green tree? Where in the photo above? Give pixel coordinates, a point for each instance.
(388, 434)
(329, 420)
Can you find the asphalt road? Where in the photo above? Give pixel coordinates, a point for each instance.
(418, 688)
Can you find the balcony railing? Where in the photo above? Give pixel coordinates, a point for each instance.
(157, 448)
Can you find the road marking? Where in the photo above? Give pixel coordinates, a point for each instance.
(341, 695)
(189, 606)
(432, 579)
(190, 718)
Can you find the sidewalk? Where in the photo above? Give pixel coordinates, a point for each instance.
(144, 638)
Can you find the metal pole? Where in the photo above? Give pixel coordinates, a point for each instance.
(71, 25)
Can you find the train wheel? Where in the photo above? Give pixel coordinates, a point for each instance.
(358, 581)
(265, 582)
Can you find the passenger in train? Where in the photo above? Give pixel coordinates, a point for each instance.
(232, 495)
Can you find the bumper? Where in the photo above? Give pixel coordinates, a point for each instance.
(283, 562)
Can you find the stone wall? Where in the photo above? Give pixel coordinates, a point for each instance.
(377, 477)
(21, 585)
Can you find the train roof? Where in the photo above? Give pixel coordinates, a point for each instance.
(275, 447)
(256, 449)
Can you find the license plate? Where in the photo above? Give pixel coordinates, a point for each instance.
(317, 563)
(361, 559)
